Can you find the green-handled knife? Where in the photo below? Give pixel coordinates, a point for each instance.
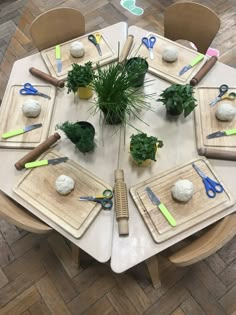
(20, 131)
(58, 58)
(161, 206)
(192, 64)
(46, 162)
(219, 134)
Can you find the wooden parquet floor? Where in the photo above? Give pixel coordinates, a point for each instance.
(32, 279)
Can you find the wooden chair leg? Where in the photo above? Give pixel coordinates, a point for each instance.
(153, 268)
(75, 255)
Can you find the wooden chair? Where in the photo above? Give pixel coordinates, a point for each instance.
(17, 215)
(207, 244)
(57, 26)
(193, 22)
(204, 246)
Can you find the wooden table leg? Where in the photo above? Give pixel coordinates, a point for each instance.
(75, 254)
(153, 268)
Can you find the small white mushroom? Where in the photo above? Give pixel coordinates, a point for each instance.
(225, 112)
(77, 49)
(64, 184)
(31, 108)
(170, 54)
(182, 190)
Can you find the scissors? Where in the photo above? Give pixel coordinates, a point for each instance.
(149, 43)
(223, 89)
(231, 96)
(104, 200)
(28, 89)
(211, 186)
(95, 39)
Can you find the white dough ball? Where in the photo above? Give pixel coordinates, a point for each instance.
(170, 54)
(182, 190)
(31, 108)
(77, 49)
(64, 184)
(225, 112)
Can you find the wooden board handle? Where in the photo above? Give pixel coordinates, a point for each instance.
(203, 71)
(37, 151)
(126, 49)
(46, 77)
(121, 203)
(218, 154)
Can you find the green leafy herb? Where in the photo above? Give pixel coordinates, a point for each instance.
(178, 98)
(143, 147)
(82, 136)
(116, 97)
(79, 76)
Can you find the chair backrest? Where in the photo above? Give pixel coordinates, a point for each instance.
(57, 26)
(193, 22)
(17, 215)
(207, 244)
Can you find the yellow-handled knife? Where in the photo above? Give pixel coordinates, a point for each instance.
(20, 131)
(46, 162)
(192, 64)
(161, 206)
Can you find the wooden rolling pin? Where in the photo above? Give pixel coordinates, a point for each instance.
(126, 49)
(203, 71)
(218, 154)
(36, 152)
(121, 203)
(46, 77)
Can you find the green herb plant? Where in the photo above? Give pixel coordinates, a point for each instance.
(79, 76)
(81, 136)
(116, 97)
(178, 98)
(143, 147)
(137, 66)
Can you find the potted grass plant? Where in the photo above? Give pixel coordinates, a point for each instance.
(116, 97)
(143, 148)
(138, 67)
(80, 133)
(178, 98)
(79, 80)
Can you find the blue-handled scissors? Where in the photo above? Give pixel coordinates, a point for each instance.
(149, 43)
(211, 186)
(223, 89)
(28, 89)
(95, 39)
(104, 200)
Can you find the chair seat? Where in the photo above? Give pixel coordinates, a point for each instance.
(18, 216)
(207, 244)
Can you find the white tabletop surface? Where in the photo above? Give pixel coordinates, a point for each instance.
(97, 240)
(178, 135)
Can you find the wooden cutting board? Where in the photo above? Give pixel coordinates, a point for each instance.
(206, 122)
(91, 54)
(198, 209)
(12, 118)
(166, 70)
(37, 187)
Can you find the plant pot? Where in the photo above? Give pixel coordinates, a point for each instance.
(86, 145)
(112, 118)
(139, 80)
(174, 112)
(146, 162)
(85, 92)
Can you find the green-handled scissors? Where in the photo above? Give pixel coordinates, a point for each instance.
(95, 39)
(104, 199)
